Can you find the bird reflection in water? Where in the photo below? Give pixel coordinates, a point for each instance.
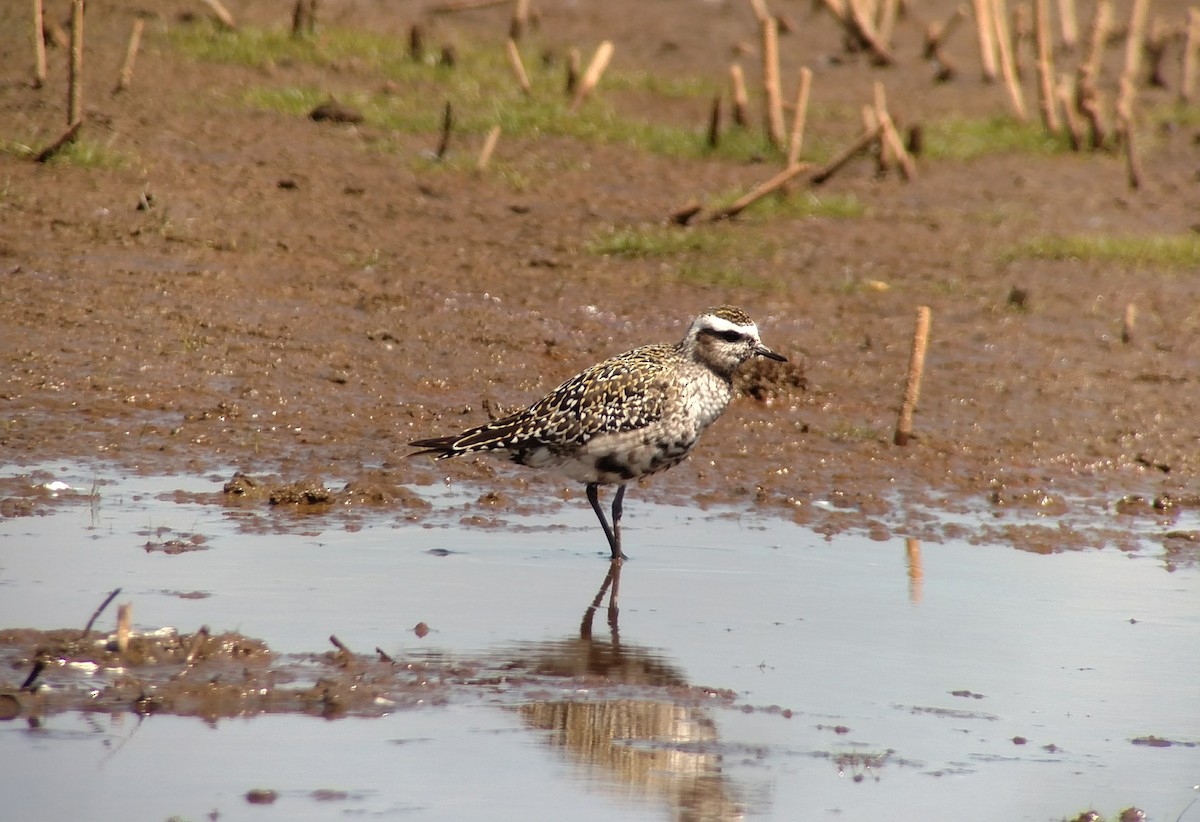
(648, 743)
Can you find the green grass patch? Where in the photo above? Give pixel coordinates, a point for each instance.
(1142, 251)
(661, 241)
(82, 153)
(711, 255)
(708, 273)
(798, 205)
(262, 48)
(480, 87)
(957, 138)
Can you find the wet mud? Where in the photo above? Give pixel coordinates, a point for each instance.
(272, 300)
(311, 330)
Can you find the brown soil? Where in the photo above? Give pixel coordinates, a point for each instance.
(292, 302)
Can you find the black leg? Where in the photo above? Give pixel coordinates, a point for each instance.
(612, 532)
(594, 499)
(617, 509)
(611, 580)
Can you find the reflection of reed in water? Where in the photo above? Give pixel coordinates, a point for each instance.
(652, 748)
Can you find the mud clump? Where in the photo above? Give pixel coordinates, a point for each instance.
(767, 380)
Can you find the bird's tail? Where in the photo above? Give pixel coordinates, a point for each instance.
(440, 447)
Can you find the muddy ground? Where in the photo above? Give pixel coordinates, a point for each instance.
(292, 304)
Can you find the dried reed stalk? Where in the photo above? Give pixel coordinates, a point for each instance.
(796, 138)
(416, 43)
(1045, 66)
(1068, 24)
(1067, 96)
(1127, 323)
(771, 91)
(591, 77)
(447, 127)
(936, 35)
(574, 59)
(857, 25)
(714, 123)
(1128, 133)
(39, 46)
(1127, 91)
(890, 137)
(757, 193)
(741, 101)
(131, 51)
(912, 385)
(221, 13)
(1135, 40)
(1097, 37)
(514, 60)
(520, 19)
(1191, 54)
(885, 23)
(1087, 93)
(1007, 67)
(985, 28)
(75, 75)
(124, 626)
(883, 151)
(489, 145)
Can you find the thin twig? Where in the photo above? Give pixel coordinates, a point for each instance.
(760, 191)
(39, 665)
(860, 145)
(64, 140)
(96, 614)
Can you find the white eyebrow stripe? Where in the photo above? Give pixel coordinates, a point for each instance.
(719, 324)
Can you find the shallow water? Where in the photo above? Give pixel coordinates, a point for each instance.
(870, 680)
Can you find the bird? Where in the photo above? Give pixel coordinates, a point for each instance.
(630, 416)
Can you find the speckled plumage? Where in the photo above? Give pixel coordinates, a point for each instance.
(632, 415)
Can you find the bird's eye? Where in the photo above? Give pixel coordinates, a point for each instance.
(731, 336)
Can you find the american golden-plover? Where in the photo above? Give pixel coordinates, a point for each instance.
(635, 414)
